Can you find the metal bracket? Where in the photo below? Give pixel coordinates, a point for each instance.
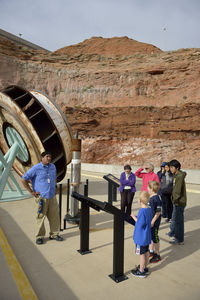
(10, 190)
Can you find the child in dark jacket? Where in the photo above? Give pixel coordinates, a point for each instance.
(155, 204)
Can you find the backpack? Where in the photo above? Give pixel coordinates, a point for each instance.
(166, 187)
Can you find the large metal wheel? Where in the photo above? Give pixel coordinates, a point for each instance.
(35, 121)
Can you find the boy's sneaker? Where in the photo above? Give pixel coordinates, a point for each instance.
(151, 254)
(137, 273)
(156, 258)
(146, 270)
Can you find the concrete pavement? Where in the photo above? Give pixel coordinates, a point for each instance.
(56, 270)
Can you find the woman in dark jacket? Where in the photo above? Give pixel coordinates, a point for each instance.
(166, 186)
(164, 204)
(127, 189)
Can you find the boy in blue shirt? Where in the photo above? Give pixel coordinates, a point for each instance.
(142, 234)
(155, 204)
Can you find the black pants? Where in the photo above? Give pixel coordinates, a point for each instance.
(126, 201)
(169, 205)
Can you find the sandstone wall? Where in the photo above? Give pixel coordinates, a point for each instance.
(137, 134)
(127, 108)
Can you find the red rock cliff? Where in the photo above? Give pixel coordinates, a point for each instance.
(129, 101)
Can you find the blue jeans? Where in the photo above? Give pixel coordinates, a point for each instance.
(177, 224)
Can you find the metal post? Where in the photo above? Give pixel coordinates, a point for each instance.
(75, 181)
(60, 203)
(75, 178)
(84, 226)
(118, 249)
(86, 188)
(68, 191)
(114, 192)
(110, 194)
(67, 216)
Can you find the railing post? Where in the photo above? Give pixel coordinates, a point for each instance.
(67, 204)
(87, 184)
(60, 203)
(86, 188)
(68, 191)
(114, 193)
(84, 225)
(118, 249)
(110, 194)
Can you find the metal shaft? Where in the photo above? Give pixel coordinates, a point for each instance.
(75, 174)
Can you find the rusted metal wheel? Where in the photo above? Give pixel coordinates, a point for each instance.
(38, 124)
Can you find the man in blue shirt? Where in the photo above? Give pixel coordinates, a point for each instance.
(43, 178)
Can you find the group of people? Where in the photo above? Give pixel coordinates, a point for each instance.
(162, 194)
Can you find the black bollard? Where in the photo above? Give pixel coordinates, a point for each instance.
(68, 191)
(110, 193)
(86, 188)
(67, 204)
(118, 249)
(84, 225)
(87, 184)
(114, 193)
(60, 203)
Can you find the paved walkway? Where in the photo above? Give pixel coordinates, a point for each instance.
(55, 270)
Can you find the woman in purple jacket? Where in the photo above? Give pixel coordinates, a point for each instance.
(127, 189)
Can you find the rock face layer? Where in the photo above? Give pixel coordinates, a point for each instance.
(130, 101)
(138, 134)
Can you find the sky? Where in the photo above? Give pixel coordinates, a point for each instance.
(53, 24)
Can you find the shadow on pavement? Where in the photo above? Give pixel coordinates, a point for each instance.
(192, 213)
(178, 252)
(191, 244)
(44, 280)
